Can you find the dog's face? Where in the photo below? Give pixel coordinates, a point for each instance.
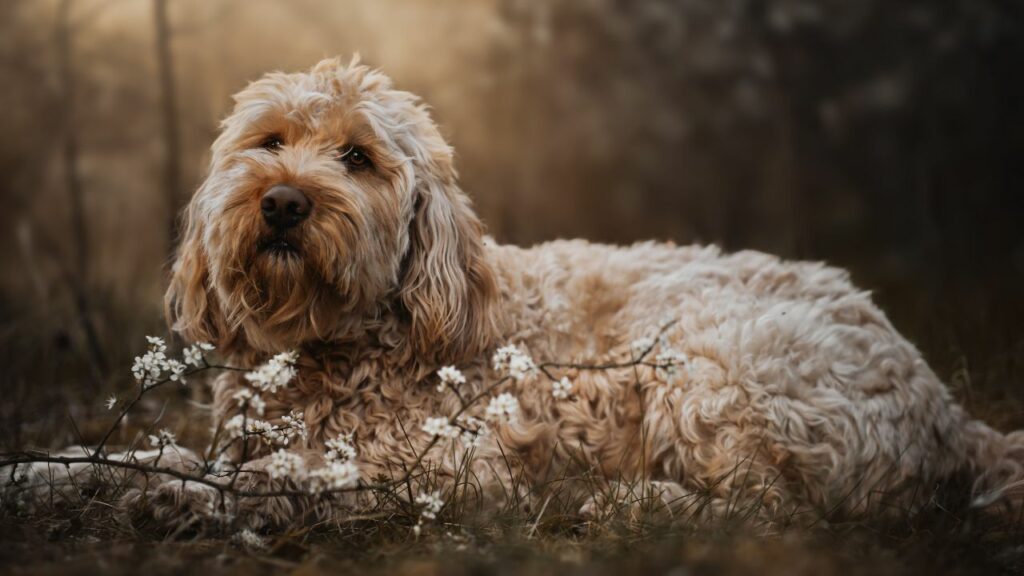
(331, 204)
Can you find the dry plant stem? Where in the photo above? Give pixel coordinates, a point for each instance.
(145, 387)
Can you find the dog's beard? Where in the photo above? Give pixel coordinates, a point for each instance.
(282, 290)
(276, 289)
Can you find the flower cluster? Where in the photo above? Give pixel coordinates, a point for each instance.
(450, 377)
(193, 355)
(154, 365)
(431, 503)
(562, 389)
(163, 438)
(503, 407)
(294, 423)
(474, 430)
(340, 449)
(246, 398)
(292, 426)
(339, 472)
(276, 373)
(335, 475)
(513, 362)
(436, 426)
(287, 465)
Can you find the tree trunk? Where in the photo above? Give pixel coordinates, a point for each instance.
(78, 277)
(169, 119)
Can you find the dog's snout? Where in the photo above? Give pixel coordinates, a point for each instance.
(284, 206)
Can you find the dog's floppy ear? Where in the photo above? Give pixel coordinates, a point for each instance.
(189, 303)
(448, 286)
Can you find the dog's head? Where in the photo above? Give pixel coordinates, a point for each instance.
(331, 202)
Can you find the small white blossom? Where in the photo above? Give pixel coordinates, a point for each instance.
(440, 427)
(249, 540)
(474, 431)
(233, 426)
(287, 465)
(177, 371)
(276, 373)
(154, 365)
(503, 407)
(246, 398)
(151, 365)
(295, 425)
(163, 438)
(514, 362)
(193, 355)
(156, 344)
(334, 476)
(431, 503)
(111, 402)
(340, 449)
(450, 377)
(561, 389)
(280, 435)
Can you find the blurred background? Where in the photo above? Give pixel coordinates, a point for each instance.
(885, 137)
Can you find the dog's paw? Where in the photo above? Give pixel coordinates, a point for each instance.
(180, 507)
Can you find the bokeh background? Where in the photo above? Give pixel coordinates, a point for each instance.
(885, 137)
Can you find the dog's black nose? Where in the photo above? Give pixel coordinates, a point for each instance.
(284, 206)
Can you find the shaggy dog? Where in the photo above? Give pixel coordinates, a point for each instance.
(332, 224)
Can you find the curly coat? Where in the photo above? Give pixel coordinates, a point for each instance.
(794, 376)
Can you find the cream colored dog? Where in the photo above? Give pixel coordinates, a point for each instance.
(332, 223)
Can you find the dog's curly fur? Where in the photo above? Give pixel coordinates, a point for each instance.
(795, 377)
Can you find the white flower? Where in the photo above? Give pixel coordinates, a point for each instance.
(335, 476)
(176, 369)
(561, 389)
(641, 346)
(249, 540)
(151, 365)
(440, 427)
(503, 407)
(156, 344)
(163, 438)
(431, 503)
(276, 373)
(246, 398)
(287, 465)
(111, 402)
(474, 431)
(513, 362)
(193, 355)
(295, 425)
(233, 427)
(450, 377)
(340, 449)
(262, 428)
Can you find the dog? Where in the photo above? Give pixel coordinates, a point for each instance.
(332, 223)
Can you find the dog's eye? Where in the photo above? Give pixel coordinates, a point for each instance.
(354, 157)
(272, 143)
